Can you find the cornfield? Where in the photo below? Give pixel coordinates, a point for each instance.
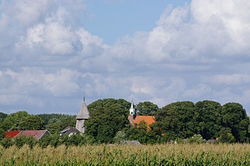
(169, 154)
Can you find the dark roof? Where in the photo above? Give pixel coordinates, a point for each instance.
(68, 130)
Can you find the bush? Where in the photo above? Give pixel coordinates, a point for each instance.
(44, 141)
(119, 137)
(2, 132)
(75, 139)
(7, 142)
(226, 136)
(88, 139)
(197, 138)
(22, 140)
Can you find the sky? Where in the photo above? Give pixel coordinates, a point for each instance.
(54, 52)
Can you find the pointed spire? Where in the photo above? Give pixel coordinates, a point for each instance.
(84, 113)
(132, 110)
(132, 104)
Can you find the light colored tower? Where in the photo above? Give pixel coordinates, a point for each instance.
(132, 110)
(82, 116)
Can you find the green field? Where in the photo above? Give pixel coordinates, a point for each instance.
(181, 154)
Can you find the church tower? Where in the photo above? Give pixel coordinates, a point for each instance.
(82, 116)
(132, 110)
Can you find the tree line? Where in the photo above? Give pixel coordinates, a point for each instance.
(108, 123)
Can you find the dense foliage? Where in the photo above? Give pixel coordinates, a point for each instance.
(208, 118)
(107, 117)
(2, 116)
(57, 122)
(146, 108)
(176, 122)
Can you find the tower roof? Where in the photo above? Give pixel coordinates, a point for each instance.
(84, 112)
(132, 105)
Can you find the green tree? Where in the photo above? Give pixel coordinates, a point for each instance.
(226, 136)
(120, 137)
(54, 128)
(2, 132)
(16, 119)
(6, 125)
(75, 139)
(32, 122)
(107, 117)
(197, 138)
(2, 116)
(176, 119)
(55, 118)
(142, 134)
(22, 140)
(147, 108)
(235, 118)
(208, 119)
(7, 142)
(45, 141)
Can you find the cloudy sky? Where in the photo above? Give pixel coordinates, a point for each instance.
(54, 52)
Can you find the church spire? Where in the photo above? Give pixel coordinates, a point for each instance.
(82, 116)
(132, 110)
(84, 113)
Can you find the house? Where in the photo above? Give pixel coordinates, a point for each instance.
(37, 134)
(135, 120)
(69, 131)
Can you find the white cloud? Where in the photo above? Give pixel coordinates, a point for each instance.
(198, 92)
(229, 79)
(31, 81)
(234, 16)
(181, 58)
(54, 37)
(29, 11)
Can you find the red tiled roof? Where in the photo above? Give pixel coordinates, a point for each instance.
(11, 134)
(147, 119)
(36, 133)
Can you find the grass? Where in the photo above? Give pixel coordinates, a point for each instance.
(181, 154)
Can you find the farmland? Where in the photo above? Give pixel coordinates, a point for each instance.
(168, 154)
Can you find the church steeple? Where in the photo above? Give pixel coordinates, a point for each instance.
(82, 116)
(84, 113)
(132, 110)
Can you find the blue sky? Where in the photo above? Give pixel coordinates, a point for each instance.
(54, 52)
(112, 20)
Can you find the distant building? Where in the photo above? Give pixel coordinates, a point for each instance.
(37, 134)
(11, 134)
(135, 120)
(82, 116)
(69, 131)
